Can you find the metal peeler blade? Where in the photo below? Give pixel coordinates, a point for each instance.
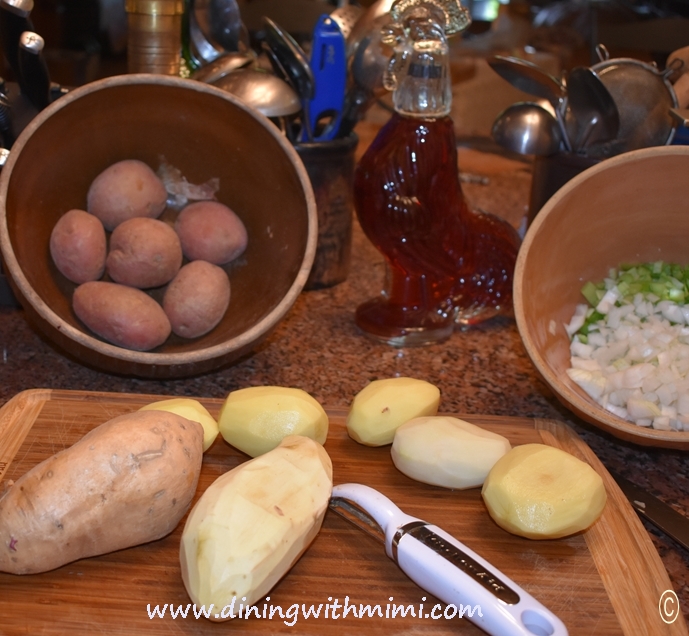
(358, 517)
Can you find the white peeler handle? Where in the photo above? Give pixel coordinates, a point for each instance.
(445, 567)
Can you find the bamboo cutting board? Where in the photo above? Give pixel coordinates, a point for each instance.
(606, 581)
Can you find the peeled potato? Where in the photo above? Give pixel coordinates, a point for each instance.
(540, 492)
(384, 405)
(256, 419)
(446, 451)
(191, 409)
(125, 190)
(252, 524)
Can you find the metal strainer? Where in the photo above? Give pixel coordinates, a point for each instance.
(644, 97)
(346, 16)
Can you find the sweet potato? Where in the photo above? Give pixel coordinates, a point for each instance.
(124, 316)
(78, 246)
(128, 481)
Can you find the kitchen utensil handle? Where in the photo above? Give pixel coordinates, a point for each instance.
(469, 585)
(14, 20)
(34, 75)
(7, 137)
(329, 67)
(445, 567)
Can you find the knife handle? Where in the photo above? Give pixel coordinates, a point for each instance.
(34, 78)
(14, 20)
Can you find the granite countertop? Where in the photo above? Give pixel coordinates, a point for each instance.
(317, 347)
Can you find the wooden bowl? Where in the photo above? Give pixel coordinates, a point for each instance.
(206, 133)
(630, 208)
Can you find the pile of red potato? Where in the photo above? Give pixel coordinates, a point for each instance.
(118, 249)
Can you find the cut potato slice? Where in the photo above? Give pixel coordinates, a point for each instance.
(541, 492)
(252, 524)
(446, 451)
(384, 405)
(191, 409)
(256, 419)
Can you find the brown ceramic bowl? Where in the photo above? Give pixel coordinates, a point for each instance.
(203, 131)
(631, 208)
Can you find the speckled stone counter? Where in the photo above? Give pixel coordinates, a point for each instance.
(317, 347)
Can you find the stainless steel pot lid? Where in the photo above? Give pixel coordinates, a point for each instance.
(644, 97)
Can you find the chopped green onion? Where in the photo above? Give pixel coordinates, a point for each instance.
(590, 292)
(630, 344)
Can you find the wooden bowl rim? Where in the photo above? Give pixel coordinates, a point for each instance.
(28, 294)
(577, 400)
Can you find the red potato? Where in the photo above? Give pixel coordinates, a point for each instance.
(125, 190)
(144, 253)
(197, 298)
(124, 316)
(78, 246)
(127, 482)
(210, 231)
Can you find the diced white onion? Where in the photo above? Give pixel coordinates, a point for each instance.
(577, 321)
(635, 361)
(581, 350)
(585, 363)
(608, 301)
(661, 423)
(642, 409)
(592, 383)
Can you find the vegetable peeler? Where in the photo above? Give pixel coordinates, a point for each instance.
(444, 567)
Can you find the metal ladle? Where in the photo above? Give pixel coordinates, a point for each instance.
(215, 27)
(367, 68)
(528, 129)
(529, 78)
(362, 27)
(263, 91)
(225, 26)
(595, 117)
(223, 65)
(291, 64)
(532, 79)
(290, 59)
